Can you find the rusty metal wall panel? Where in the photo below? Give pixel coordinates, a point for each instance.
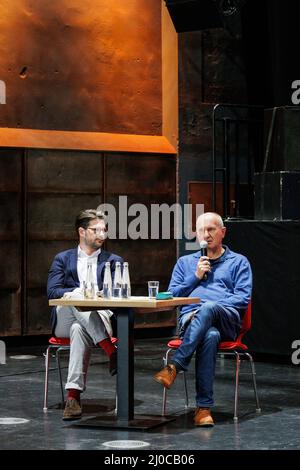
(64, 172)
(10, 307)
(10, 241)
(53, 215)
(10, 214)
(10, 170)
(40, 255)
(140, 174)
(86, 66)
(10, 290)
(68, 181)
(59, 185)
(144, 180)
(148, 260)
(155, 319)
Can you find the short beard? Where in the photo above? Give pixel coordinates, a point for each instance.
(96, 246)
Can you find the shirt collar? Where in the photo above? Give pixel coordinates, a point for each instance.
(222, 257)
(82, 254)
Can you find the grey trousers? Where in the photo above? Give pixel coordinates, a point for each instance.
(85, 329)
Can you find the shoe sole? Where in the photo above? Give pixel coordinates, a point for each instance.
(71, 418)
(205, 425)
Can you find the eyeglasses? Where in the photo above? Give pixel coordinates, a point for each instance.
(97, 230)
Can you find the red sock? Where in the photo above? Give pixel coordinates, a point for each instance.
(107, 345)
(74, 393)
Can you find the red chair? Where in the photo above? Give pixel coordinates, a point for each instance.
(57, 345)
(236, 348)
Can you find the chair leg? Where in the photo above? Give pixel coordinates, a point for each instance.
(164, 404)
(57, 356)
(236, 393)
(166, 358)
(185, 390)
(164, 401)
(116, 401)
(258, 408)
(47, 364)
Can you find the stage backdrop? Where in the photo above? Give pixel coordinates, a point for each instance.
(273, 250)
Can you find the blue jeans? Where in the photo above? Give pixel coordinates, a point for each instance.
(211, 324)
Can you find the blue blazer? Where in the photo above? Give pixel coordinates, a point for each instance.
(63, 276)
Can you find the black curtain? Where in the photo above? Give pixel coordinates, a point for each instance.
(271, 248)
(271, 35)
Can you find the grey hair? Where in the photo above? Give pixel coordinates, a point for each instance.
(210, 214)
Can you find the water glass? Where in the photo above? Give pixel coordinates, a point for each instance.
(153, 287)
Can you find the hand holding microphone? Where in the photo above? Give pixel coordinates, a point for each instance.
(203, 266)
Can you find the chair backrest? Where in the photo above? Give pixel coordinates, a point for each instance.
(246, 322)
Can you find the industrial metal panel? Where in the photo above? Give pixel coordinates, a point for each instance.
(91, 66)
(140, 174)
(40, 255)
(64, 171)
(144, 180)
(10, 307)
(10, 238)
(59, 185)
(52, 216)
(41, 192)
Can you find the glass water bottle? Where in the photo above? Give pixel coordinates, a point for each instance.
(126, 289)
(89, 287)
(107, 282)
(117, 284)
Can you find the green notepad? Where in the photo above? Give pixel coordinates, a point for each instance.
(164, 296)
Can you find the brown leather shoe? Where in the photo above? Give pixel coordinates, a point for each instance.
(166, 376)
(203, 417)
(72, 410)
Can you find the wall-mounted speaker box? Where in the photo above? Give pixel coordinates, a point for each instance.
(277, 195)
(194, 15)
(282, 138)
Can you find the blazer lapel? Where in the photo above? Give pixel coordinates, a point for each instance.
(73, 265)
(102, 258)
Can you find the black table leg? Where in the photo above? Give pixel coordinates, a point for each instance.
(125, 377)
(125, 418)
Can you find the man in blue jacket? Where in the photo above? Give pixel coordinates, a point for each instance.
(223, 281)
(85, 329)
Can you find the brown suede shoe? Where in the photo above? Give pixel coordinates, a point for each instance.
(166, 376)
(203, 417)
(72, 410)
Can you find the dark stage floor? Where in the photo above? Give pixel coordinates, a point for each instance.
(21, 396)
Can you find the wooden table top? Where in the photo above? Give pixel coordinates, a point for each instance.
(134, 301)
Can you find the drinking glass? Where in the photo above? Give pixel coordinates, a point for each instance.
(153, 287)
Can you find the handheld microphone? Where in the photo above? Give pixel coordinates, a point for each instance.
(203, 251)
(203, 248)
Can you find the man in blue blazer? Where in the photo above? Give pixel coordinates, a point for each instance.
(85, 329)
(222, 280)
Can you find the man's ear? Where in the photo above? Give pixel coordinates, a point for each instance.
(81, 231)
(224, 231)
